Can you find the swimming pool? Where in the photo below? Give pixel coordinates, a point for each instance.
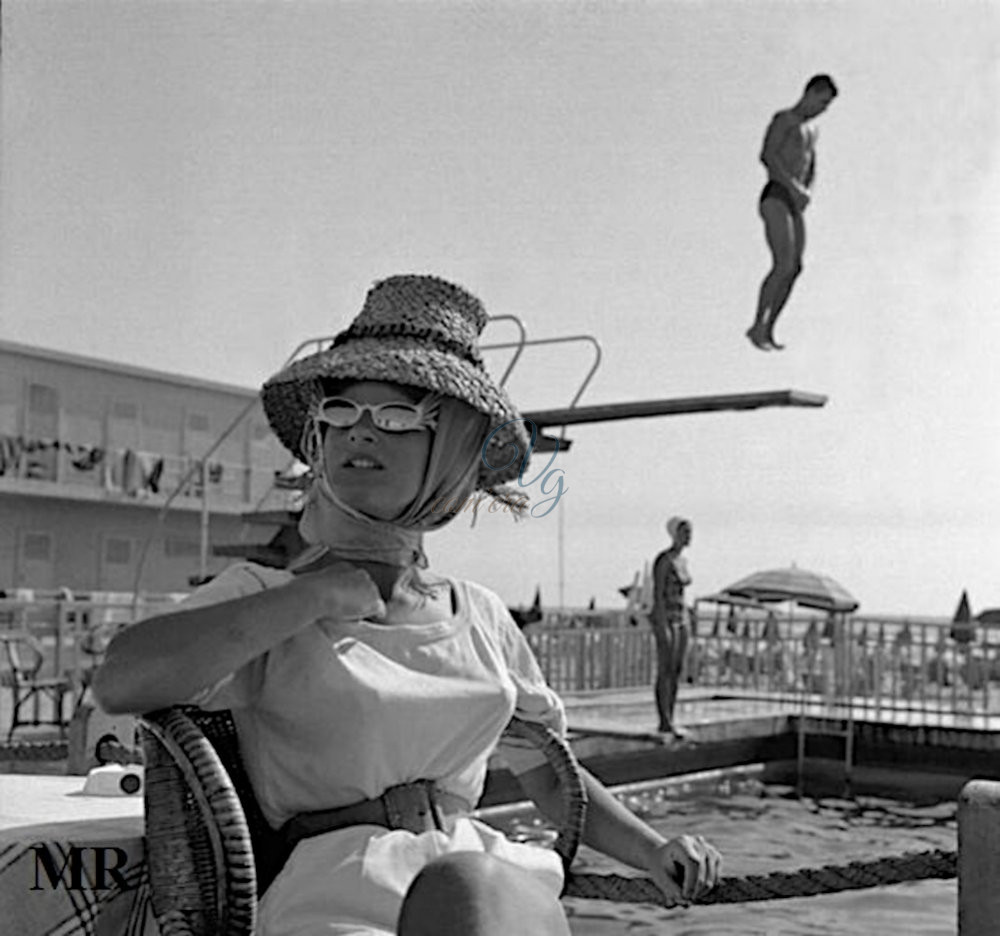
(762, 828)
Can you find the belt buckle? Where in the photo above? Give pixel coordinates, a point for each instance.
(412, 806)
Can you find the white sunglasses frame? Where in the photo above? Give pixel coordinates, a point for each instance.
(426, 410)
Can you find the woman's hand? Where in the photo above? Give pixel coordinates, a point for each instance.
(341, 591)
(684, 868)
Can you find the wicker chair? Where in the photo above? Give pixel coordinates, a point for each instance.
(210, 851)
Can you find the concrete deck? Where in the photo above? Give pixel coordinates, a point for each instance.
(714, 714)
(702, 713)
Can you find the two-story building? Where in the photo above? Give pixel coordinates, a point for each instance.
(90, 454)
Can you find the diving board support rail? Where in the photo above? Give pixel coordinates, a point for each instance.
(518, 345)
(979, 858)
(198, 465)
(561, 339)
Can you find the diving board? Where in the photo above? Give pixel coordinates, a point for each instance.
(675, 406)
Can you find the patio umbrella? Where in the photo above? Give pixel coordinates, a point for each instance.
(809, 589)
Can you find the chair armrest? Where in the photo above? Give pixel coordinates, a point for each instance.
(198, 846)
(572, 791)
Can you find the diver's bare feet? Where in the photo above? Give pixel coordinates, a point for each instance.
(772, 344)
(757, 339)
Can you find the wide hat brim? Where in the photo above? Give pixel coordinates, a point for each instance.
(288, 396)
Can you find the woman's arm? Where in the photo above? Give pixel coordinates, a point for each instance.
(684, 867)
(610, 827)
(662, 568)
(171, 657)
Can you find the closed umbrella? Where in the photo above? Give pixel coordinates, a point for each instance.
(962, 627)
(809, 589)
(646, 589)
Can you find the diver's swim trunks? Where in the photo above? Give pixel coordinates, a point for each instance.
(777, 190)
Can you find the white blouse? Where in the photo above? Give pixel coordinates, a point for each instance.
(342, 710)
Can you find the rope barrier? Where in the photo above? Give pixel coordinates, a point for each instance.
(805, 882)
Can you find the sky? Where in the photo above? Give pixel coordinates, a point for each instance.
(197, 187)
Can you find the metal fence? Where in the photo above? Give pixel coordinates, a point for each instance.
(577, 659)
(876, 665)
(923, 667)
(73, 633)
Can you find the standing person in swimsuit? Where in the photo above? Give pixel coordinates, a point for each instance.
(669, 621)
(789, 153)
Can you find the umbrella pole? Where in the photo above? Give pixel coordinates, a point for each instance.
(803, 686)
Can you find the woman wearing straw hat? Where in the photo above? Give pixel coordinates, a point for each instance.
(368, 693)
(669, 621)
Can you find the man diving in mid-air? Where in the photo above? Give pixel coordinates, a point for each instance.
(789, 153)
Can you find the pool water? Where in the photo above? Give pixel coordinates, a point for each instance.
(760, 829)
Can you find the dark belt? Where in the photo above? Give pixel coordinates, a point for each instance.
(411, 806)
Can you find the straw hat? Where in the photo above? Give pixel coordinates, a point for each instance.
(419, 331)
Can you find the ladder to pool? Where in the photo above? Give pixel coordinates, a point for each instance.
(818, 709)
(846, 732)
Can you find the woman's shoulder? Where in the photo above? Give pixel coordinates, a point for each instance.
(486, 613)
(664, 561)
(476, 593)
(480, 603)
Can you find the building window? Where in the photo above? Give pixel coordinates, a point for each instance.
(43, 411)
(37, 547)
(11, 402)
(123, 425)
(179, 546)
(197, 422)
(161, 427)
(123, 409)
(117, 551)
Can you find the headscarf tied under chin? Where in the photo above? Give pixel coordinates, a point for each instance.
(336, 529)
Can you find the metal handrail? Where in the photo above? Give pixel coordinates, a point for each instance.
(519, 345)
(561, 532)
(198, 464)
(563, 339)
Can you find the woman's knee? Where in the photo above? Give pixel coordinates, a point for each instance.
(474, 893)
(468, 870)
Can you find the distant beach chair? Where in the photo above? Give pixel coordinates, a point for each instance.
(25, 658)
